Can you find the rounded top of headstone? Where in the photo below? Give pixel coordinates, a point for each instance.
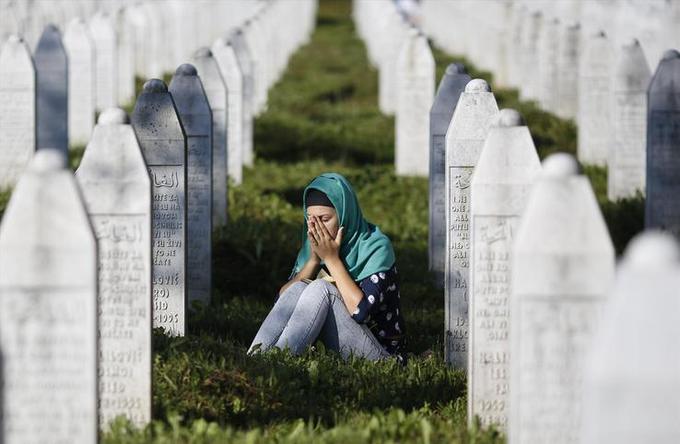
(15, 38)
(508, 118)
(671, 54)
(222, 41)
(186, 69)
(477, 85)
(652, 249)
(113, 116)
(203, 51)
(155, 86)
(560, 165)
(51, 27)
(633, 42)
(48, 159)
(456, 68)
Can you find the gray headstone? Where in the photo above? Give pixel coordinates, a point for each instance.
(663, 146)
(563, 266)
(504, 175)
(81, 82)
(626, 172)
(17, 109)
(163, 143)
(194, 112)
(51, 69)
(105, 40)
(48, 309)
(470, 124)
(245, 62)
(567, 76)
(450, 88)
(634, 371)
(116, 188)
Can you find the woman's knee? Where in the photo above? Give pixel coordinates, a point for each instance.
(318, 289)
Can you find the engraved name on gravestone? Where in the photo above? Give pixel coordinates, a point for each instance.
(17, 109)
(163, 143)
(246, 64)
(116, 188)
(663, 146)
(216, 93)
(567, 75)
(470, 124)
(105, 40)
(194, 112)
(594, 109)
(81, 82)
(563, 266)
(48, 309)
(227, 60)
(451, 86)
(505, 172)
(415, 92)
(626, 172)
(634, 373)
(51, 73)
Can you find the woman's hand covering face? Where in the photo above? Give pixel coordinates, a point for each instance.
(323, 244)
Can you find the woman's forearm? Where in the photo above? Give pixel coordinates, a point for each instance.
(349, 290)
(309, 271)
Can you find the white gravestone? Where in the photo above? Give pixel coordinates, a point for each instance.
(48, 309)
(567, 75)
(163, 143)
(116, 188)
(627, 154)
(549, 62)
(531, 70)
(51, 75)
(81, 82)
(504, 175)
(663, 146)
(194, 112)
(633, 374)
(17, 109)
(415, 93)
(563, 266)
(245, 62)
(216, 92)
(594, 109)
(471, 122)
(225, 54)
(126, 57)
(103, 34)
(450, 88)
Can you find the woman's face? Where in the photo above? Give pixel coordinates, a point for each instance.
(326, 215)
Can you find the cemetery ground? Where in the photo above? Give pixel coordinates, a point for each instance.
(323, 116)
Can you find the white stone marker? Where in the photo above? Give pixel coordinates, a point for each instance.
(48, 309)
(17, 109)
(103, 34)
(116, 188)
(415, 93)
(163, 143)
(81, 82)
(531, 69)
(567, 75)
(594, 109)
(225, 54)
(504, 175)
(246, 64)
(633, 372)
(562, 268)
(194, 112)
(471, 122)
(549, 65)
(51, 75)
(627, 155)
(216, 92)
(125, 57)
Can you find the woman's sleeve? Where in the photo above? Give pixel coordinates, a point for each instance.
(373, 288)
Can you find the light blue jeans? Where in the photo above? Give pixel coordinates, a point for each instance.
(305, 312)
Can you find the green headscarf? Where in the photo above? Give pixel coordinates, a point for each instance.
(365, 249)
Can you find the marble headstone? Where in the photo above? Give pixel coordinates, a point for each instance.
(504, 175)
(415, 92)
(567, 75)
(662, 209)
(51, 73)
(470, 124)
(246, 64)
(626, 172)
(81, 82)
(549, 65)
(633, 371)
(594, 109)
(17, 109)
(194, 112)
(48, 309)
(531, 70)
(163, 143)
(126, 56)
(105, 40)
(450, 88)
(116, 188)
(216, 92)
(563, 266)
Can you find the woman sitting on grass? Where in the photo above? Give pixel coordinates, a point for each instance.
(344, 288)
